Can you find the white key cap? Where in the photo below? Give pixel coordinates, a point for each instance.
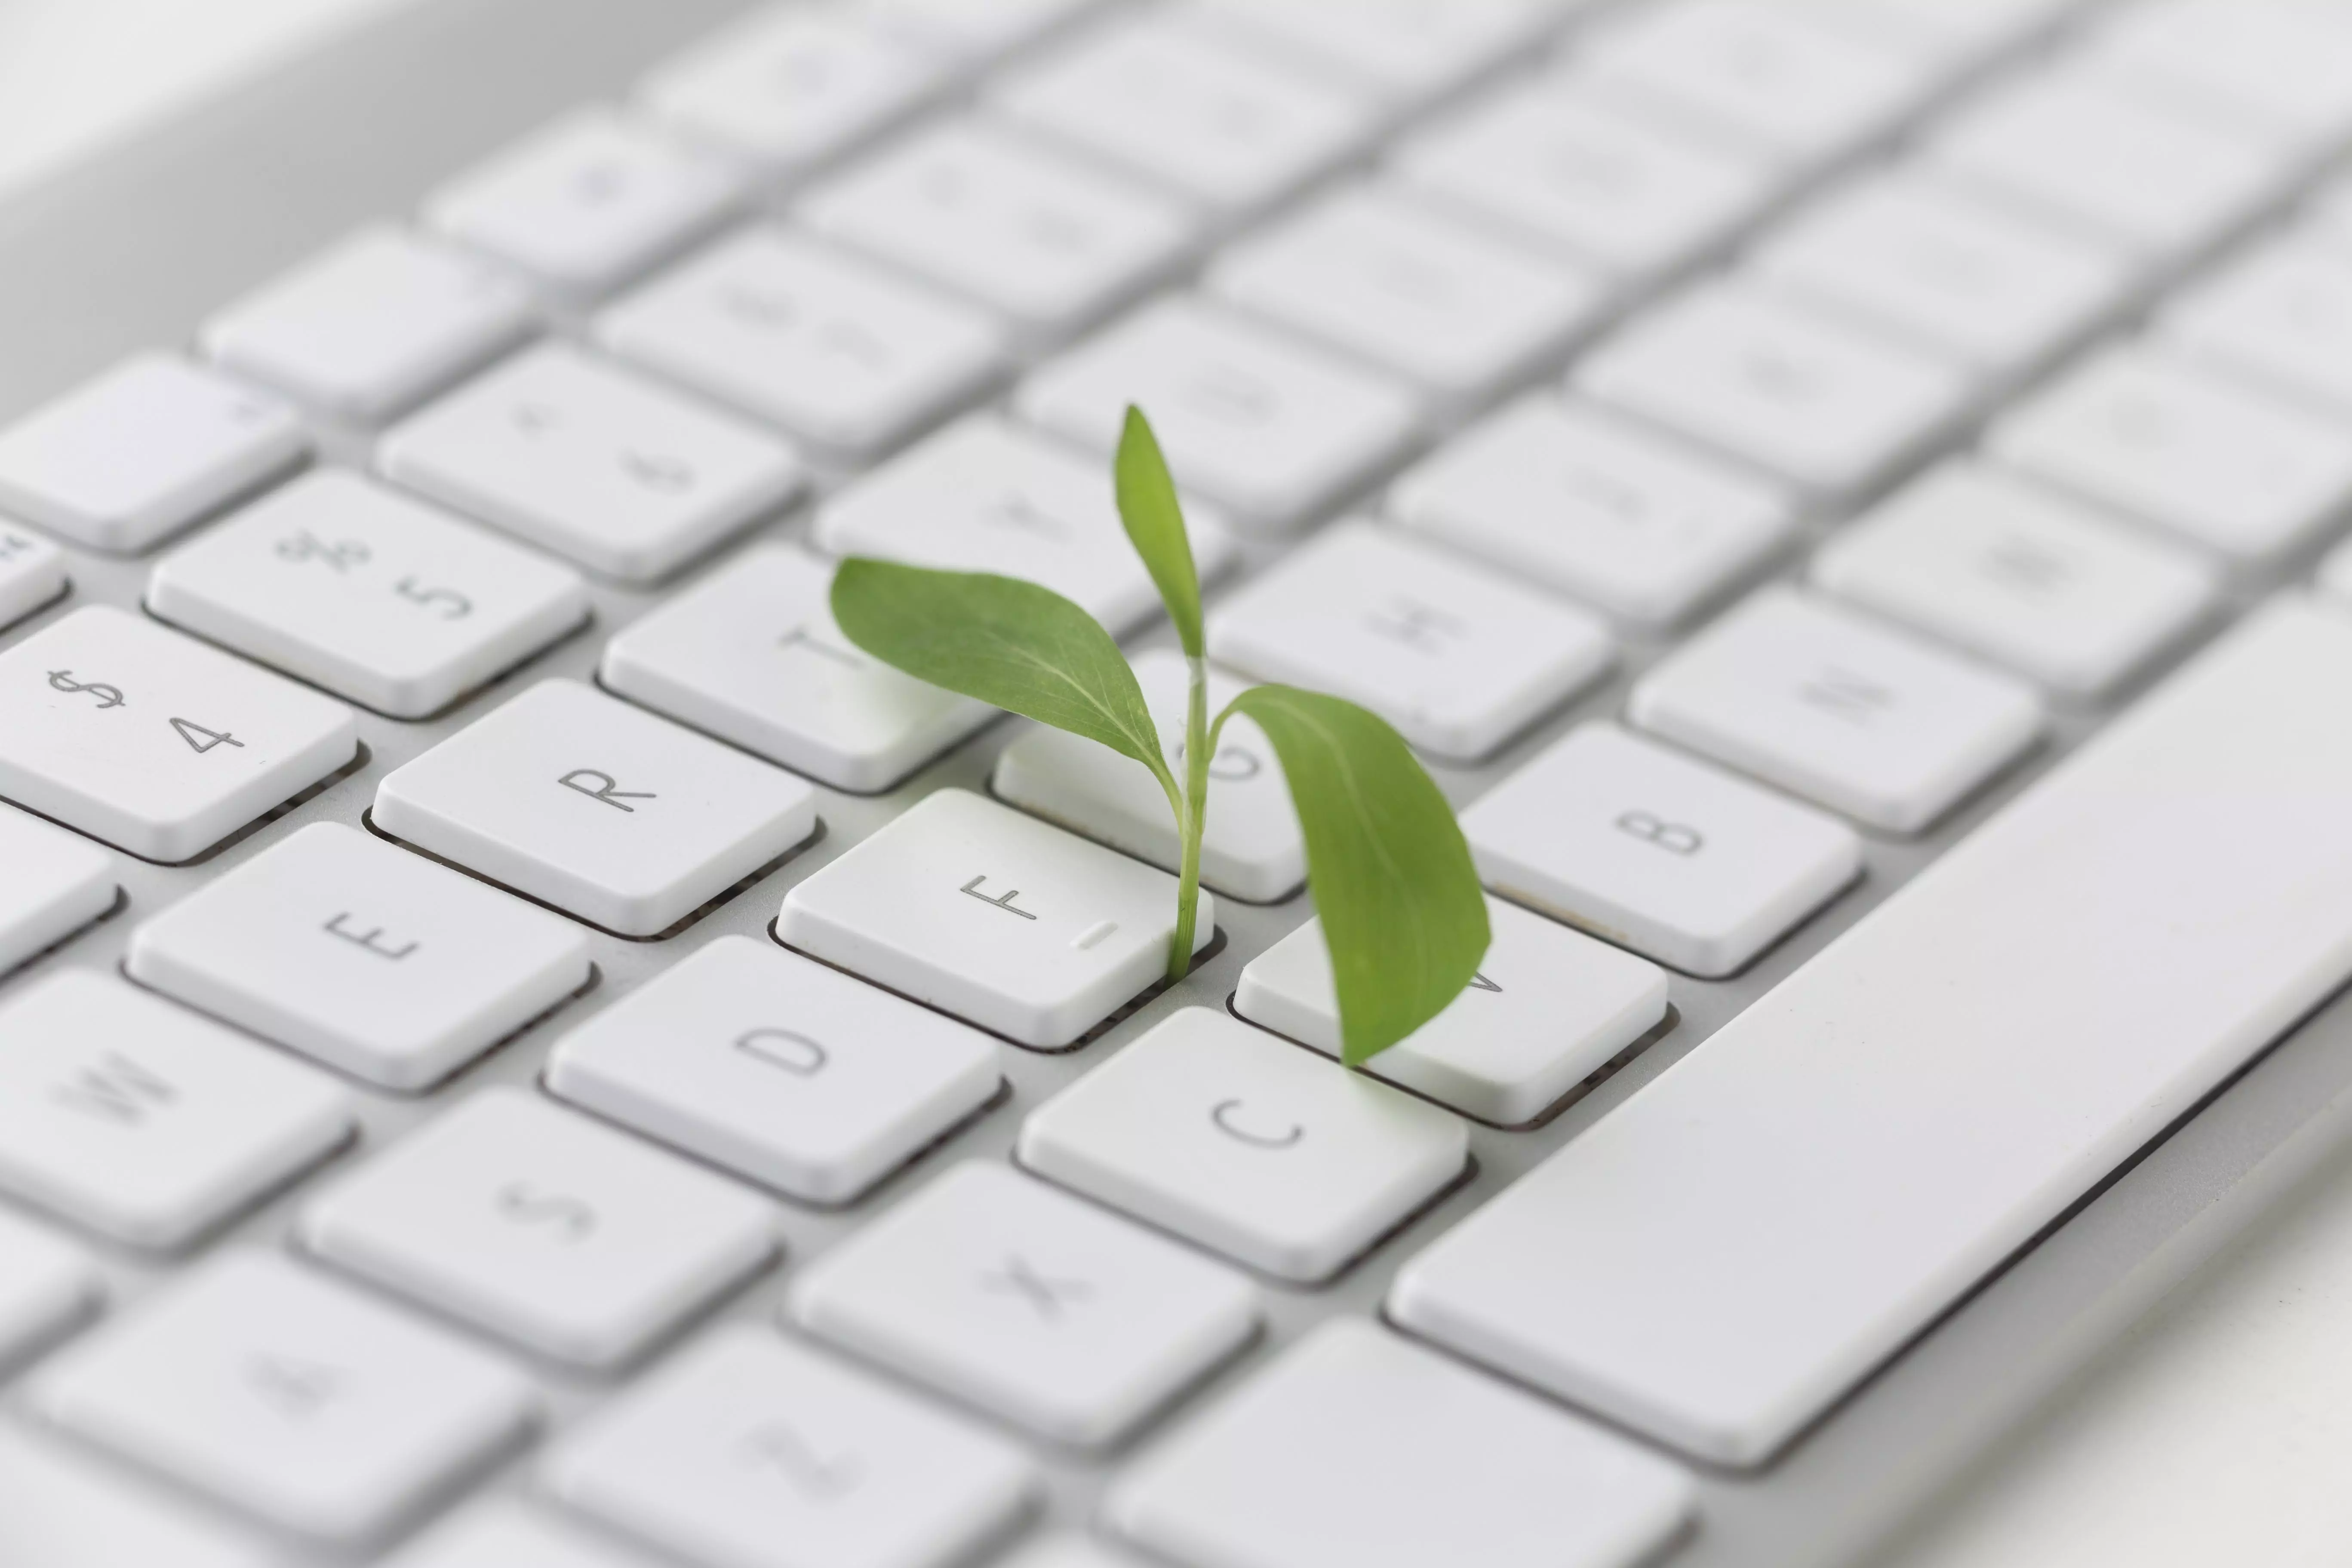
(1947, 271)
(1961, 34)
(1458, 657)
(1815, 402)
(32, 574)
(625, 478)
(599, 808)
(2283, 65)
(378, 598)
(502, 1533)
(1165, 96)
(2223, 466)
(1548, 1010)
(756, 1452)
(585, 203)
(372, 960)
(791, 87)
(971, 907)
(1632, 522)
(45, 1285)
(61, 1510)
(752, 655)
(984, 494)
(1377, 272)
(1057, 1552)
(839, 353)
(1289, 1468)
(1250, 1147)
(2123, 938)
(1252, 848)
(153, 741)
(2281, 314)
(1862, 719)
(1028, 1303)
(1046, 239)
(56, 885)
(1268, 427)
(142, 452)
(1646, 847)
(1410, 50)
(2013, 572)
(1585, 177)
(373, 325)
(778, 1069)
(575, 1241)
(143, 1121)
(973, 34)
(290, 1398)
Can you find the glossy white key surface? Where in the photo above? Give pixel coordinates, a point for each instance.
(776, 1067)
(2001, 566)
(1258, 420)
(1295, 1466)
(1548, 1008)
(289, 1396)
(602, 809)
(61, 1509)
(508, 1534)
(44, 1285)
(153, 741)
(1029, 1303)
(1252, 847)
(585, 203)
(372, 325)
(1251, 1147)
(972, 908)
(1456, 655)
(2281, 314)
(379, 598)
(590, 462)
(32, 574)
(1407, 49)
(2221, 464)
(1662, 853)
(364, 956)
(143, 1121)
(2123, 938)
(755, 1451)
(57, 884)
(2284, 66)
(837, 352)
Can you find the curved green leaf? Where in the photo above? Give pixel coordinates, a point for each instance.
(1155, 526)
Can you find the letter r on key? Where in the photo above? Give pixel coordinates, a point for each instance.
(604, 787)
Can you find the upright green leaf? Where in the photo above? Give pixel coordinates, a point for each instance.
(1401, 909)
(1155, 525)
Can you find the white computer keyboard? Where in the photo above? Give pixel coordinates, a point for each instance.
(1895, 388)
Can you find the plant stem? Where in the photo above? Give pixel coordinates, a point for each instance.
(1191, 817)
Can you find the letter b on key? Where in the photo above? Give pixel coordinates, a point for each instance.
(1673, 838)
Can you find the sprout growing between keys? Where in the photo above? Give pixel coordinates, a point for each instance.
(1402, 911)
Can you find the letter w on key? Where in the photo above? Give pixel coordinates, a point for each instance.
(117, 1088)
(605, 788)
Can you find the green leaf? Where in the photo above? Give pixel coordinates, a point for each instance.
(1155, 524)
(1401, 909)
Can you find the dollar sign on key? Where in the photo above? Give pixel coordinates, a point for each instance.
(108, 696)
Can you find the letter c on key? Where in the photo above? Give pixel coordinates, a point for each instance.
(783, 1048)
(1223, 1115)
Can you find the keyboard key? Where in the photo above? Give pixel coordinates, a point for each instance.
(574, 1241)
(1165, 96)
(1028, 1303)
(371, 960)
(778, 1069)
(1269, 427)
(1646, 847)
(752, 1450)
(2282, 314)
(2018, 575)
(605, 811)
(1815, 402)
(984, 494)
(1050, 241)
(1378, 273)
(1298, 1465)
(57, 884)
(974, 35)
(836, 351)
(153, 741)
(1251, 849)
(507, 1534)
(1060, 1552)
(1250, 1147)
(2281, 64)
(752, 655)
(289, 1397)
(1861, 718)
(1548, 1009)
(1958, 1069)
(1410, 50)
(1963, 34)
(592, 462)
(32, 574)
(1637, 525)
(1458, 657)
(971, 907)
(142, 452)
(45, 1286)
(376, 597)
(2218, 465)
(62, 1510)
(371, 326)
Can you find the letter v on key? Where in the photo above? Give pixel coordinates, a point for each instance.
(608, 789)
